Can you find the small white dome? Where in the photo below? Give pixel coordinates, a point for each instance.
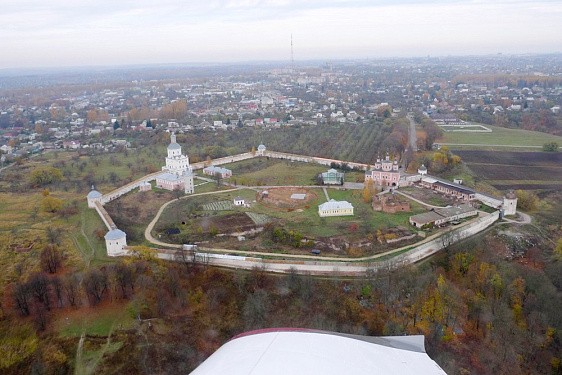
(174, 146)
(94, 194)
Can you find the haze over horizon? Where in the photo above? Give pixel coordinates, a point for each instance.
(61, 33)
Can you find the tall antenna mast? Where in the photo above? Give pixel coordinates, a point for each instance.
(292, 56)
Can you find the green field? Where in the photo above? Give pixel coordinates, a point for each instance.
(502, 137)
(267, 172)
(274, 172)
(103, 323)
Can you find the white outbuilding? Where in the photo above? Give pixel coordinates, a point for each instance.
(335, 208)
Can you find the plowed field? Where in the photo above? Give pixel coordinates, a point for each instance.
(516, 170)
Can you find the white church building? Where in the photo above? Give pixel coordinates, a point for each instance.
(177, 173)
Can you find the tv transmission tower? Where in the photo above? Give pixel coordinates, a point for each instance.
(292, 55)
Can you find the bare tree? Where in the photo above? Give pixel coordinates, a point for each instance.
(58, 289)
(173, 282)
(54, 235)
(95, 285)
(39, 287)
(255, 309)
(21, 298)
(124, 278)
(41, 317)
(186, 257)
(51, 258)
(218, 178)
(71, 289)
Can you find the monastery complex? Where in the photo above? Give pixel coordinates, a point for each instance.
(177, 175)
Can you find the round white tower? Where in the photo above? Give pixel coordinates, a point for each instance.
(115, 242)
(261, 150)
(93, 197)
(422, 171)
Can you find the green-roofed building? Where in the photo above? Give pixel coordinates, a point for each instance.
(332, 177)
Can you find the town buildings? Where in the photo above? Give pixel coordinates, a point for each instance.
(343, 93)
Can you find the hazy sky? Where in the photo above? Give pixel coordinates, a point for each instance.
(111, 32)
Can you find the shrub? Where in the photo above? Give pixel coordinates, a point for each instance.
(527, 200)
(44, 176)
(51, 204)
(550, 147)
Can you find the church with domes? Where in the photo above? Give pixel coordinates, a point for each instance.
(176, 162)
(177, 173)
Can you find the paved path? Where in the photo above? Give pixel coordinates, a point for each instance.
(353, 185)
(524, 218)
(326, 194)
(413, 137)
